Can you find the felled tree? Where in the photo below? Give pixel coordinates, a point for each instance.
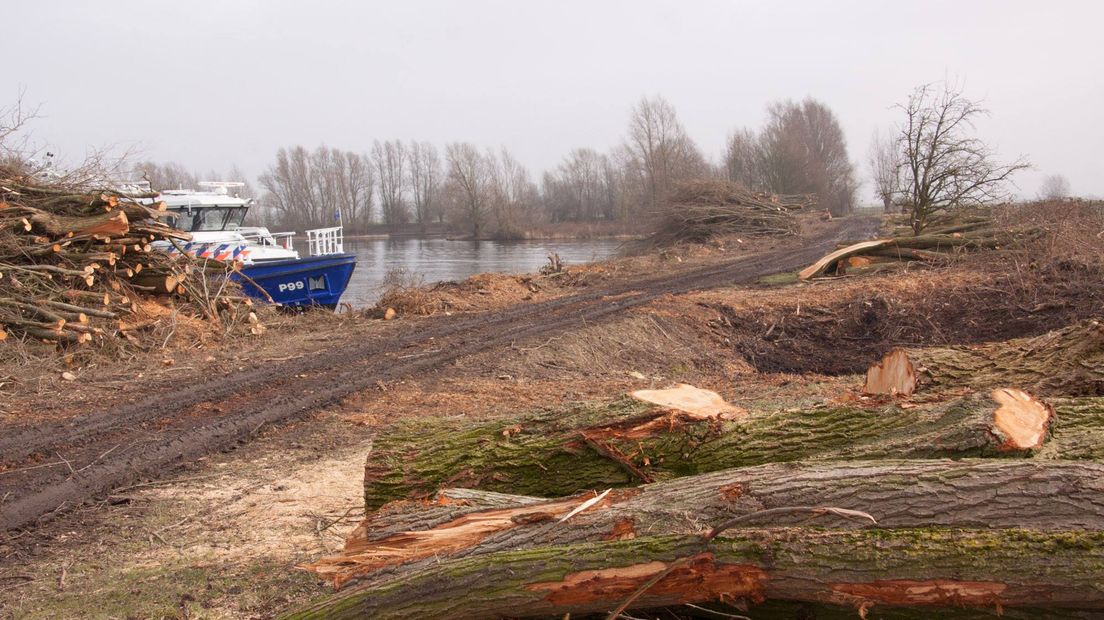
(943, 165)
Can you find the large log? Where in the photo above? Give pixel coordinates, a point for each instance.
(557, 453)
(110, 224)
(927, 569)
(1064, 362)
(898, 494)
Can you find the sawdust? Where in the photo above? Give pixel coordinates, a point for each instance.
(272, 511)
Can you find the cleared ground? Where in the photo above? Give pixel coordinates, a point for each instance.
(140, 511)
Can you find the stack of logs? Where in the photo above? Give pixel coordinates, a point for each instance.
(73, 263)
(948, 236)
(700, 210)
(959, 477)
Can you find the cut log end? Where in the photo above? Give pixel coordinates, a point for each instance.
(1021, 419)
(895, 375)
(692, 401)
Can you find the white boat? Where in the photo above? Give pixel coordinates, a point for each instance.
(274, 268)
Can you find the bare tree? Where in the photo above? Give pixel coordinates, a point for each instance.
(467, 180)
(742, 159)
(1054, 187)
(885, 169)
(943, 166)
(13, 120)
(661, 150)
(169, 175)
(389, 159)
(512, 193)
(578, 190)
(311, 189)
(356, 183)
(425, 178)
(802, 150)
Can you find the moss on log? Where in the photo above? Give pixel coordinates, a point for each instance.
(560, 452)
(972, 493)
(1064, 362)
(927, 569)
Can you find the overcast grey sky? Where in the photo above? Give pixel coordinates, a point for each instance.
(208, 83)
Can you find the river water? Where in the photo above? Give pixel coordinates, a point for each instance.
(438, 260)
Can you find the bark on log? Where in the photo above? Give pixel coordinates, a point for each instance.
(975, 493)
(927, 568)
(113, 224)
(1064, 362)
(557, 453)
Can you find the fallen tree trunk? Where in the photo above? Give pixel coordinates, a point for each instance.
(928, 247)
(975, 493)
(1064, 362)
(823, 265)
(557, 453)
(926, 568)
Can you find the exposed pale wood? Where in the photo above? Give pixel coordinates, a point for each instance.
(893, 375)
(691, 400)
(819, 267)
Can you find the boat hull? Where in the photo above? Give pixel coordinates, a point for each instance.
(311, 281)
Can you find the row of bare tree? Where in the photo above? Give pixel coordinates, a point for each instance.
(490, 193)
(485, 192)
(932, 162)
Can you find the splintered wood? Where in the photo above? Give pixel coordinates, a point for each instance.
(822, 265)
(1022, 419)
(894, 375)
(693, 401)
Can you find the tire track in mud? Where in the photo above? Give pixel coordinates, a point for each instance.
(248, 400)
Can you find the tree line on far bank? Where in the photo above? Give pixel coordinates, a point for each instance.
(487, 192)
(930, 163)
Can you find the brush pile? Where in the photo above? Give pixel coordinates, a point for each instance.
(701, 210)
(74, 264)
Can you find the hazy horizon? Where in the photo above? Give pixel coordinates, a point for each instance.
(211, 84)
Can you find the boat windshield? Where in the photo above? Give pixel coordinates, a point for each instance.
(198, 219)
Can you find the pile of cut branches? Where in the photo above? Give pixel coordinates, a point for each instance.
(74, 262)
(700, 210)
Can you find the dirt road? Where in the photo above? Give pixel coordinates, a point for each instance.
(49, 469)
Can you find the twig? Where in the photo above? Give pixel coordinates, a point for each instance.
(714, 611)
(72, 472)
(613, 615)
(13, 471)
(100, 457)
(64, 572)
(587, 504)
(163, 482)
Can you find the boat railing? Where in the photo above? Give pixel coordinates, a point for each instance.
(283, 239)
(322, 241)
(280, 239)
